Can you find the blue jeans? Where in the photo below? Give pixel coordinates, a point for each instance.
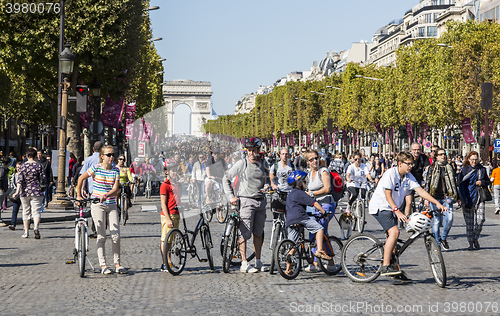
(15, 211)
(323, 222)
(438, 219)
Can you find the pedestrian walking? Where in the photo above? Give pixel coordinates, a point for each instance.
(16, 202)
(4, 184)
(495, 178)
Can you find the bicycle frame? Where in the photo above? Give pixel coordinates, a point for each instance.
(190, 243)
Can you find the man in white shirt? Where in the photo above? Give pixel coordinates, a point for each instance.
(390, 193)
(280, 171)
(356, 176)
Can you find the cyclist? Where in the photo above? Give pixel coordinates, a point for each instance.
(296, 204)
(170, 199)
(395, 184)
(147, 167)
(199, 175)
(252, 176)
(280, 171)
(125, 176)
(215, 168)
(359, 172)
(135, 169)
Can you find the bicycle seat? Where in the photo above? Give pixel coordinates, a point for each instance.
(296, 226)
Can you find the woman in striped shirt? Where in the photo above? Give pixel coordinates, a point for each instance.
(105, 184)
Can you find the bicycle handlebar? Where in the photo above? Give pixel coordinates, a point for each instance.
(67, 198)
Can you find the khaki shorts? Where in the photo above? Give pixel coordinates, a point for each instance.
(175, 218)
(253, 217)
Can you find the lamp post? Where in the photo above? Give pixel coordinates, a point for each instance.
(66, 62)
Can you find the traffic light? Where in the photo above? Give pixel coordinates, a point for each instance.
(82, 93)
(120, 136)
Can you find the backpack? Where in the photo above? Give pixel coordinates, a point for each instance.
(337, 185)
(4, 179)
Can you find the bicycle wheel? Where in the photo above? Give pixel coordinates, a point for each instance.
(124, 204)
(288, 253)
(82, 252)
(222, 209)
(207, 243)
(362, 258)
(230, 245)
(333, 249)
(436, 260)
(174, 252)
(207, 213)
(274, 243)
(135, 192)
(361, 217)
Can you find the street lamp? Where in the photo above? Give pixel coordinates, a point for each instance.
(162, 59)
(301, 99)
(66, 63)
(334, 87)
(444, 45)
(152, 8)
(369, 78)
(317, 92)
(155, 39)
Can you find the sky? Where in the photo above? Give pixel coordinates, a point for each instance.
(241, 45)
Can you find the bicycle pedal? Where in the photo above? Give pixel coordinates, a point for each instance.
(203, 260)
(70, 262)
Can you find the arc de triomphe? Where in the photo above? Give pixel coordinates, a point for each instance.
(196, 95)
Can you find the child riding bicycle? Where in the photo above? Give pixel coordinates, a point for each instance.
(296, 203)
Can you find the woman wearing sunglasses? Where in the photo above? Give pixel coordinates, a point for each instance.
(106, 180)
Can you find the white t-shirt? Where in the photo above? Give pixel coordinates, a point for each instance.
(282, 175)
(357, 174)
(400, 188)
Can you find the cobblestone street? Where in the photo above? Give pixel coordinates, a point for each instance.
(35, 278)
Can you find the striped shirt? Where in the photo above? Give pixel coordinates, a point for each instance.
(103, 182)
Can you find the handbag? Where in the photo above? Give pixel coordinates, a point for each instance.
(484, 193)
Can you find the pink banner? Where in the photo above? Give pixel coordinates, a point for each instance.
(424, 133)
(467, 131)
(267, 143)
(379, 130)
(490, 130)
(409, 130)
(86, 118)
(325, 136)
(112, 112)
(283, 140)
(333, 137)
(292, 140)
(391, 135)
(275, 144)
(357, 138)
(344, 136)
(387, 137)
(308, 137)
(129, 131)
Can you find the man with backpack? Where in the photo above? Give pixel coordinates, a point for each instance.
(280, 171)
(4, 183)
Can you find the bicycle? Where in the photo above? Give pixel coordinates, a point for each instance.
(218, 203)
(363, 255)
(147, 185)
(122, 204)
(278, 232)
(81, 233)
(230, 250)
(192, 192)
(293, 253)
(177, 246)
(358, 210)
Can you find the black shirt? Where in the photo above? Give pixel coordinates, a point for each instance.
(418, 168)
(217, 168)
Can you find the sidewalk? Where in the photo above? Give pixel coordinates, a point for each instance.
(47, 216)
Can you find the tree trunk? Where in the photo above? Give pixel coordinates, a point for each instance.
(73, 131)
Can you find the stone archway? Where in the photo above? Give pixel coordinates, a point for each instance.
(195, 94)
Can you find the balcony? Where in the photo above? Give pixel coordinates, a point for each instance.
(412, 25)
(433, 7)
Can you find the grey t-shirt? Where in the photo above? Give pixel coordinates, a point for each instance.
(282, 175)
(252, 177)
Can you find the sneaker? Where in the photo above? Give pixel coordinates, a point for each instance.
(12, 227)
(389, 271)
(260, 266)
(311, 268)
(121, 270)
(444, 245)
(163, 268)
(106, 271)
(25, 235)
(2, 224)
(246, 268)
(37, 234)
(497, 212)
(402, 278)
(330, 267)
(476, 244)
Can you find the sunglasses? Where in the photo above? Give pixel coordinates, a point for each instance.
(356, 159)
(441, 154)
(312, 159)
(121, 158)
(409, 164)
(110, 154)
(200, 157)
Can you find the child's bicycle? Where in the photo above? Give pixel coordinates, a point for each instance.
(177, 246)
(81, 233)
(290, 254)
(363, 254)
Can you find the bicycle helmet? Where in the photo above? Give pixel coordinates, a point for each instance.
(418, 222)
(169, 163)
(252, 142)
(295, 176)
(137, 159)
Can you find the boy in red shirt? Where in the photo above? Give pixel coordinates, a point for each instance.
(170, 199)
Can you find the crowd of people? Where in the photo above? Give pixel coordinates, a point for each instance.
(440, 180)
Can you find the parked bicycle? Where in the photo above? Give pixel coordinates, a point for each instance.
(177, 245)
(278, 232)
(81, 232)
(289, 255)
(230, 250)
(363, 254)
(122, 202)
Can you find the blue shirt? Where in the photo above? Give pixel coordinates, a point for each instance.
(296, 203)
(89, 163)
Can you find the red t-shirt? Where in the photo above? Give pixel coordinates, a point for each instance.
(172, 192)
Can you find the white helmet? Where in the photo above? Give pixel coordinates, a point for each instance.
(418, 222)
(137, 159)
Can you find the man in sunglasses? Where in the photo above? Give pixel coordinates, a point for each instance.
(300, 161)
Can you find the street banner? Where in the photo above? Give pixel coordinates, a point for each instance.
(292, 140)
(424, 133)
(112, 112)
(242, 140)
(129, 131)
(308, 137)
(267, 143)
(344, 136)
(409, 130)
(387, 137)
(283, 140)
(490, 128)
(333, 137)
(391, 135)
(325, 136)
(275, 144)
(141, 149)
(86, 118)
(467, 131)
(379, 130)
(131, 107)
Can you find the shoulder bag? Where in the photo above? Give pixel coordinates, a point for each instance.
(484, 192)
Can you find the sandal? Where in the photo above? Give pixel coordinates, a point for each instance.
(322, 255)
(37, 234)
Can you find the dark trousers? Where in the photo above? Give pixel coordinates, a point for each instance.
(353, 194)
(15, 211)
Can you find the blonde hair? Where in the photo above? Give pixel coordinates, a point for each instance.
(103, 149)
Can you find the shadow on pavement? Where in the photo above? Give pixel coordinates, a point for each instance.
(8, 265)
